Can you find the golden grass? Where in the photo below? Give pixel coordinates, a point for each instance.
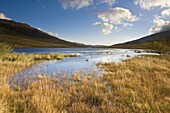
(13, 62)
(35, 57)
(137, 85)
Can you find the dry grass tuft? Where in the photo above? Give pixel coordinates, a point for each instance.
(136, 85)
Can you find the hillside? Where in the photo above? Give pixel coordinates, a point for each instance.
(140, 43)
(22, 35)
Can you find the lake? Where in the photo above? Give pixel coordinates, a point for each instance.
(85, 63)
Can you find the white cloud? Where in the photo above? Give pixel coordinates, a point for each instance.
(109, 2)
(3, 16)
(127, 25)
(50, 33)
(97, 24)
(106, 27)
(115, 16)
(166, 12)
(106, 31)
(77, 4)
(150, 4)
(159, 25)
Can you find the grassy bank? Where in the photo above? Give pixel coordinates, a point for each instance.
(136, 85)
(13, 62)
(35, 57)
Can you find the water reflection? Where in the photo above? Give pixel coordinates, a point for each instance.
(86, 62)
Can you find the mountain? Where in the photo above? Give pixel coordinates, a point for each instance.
(22, 35)
(141, 43)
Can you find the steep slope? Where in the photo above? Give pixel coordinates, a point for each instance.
(22, 35)
(140, 43)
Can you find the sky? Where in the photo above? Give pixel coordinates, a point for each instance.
(95, 22)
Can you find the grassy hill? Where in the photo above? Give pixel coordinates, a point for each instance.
(142, 42)
(22, 35)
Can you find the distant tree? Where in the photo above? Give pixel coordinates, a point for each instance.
(4, 49)
(159, 46)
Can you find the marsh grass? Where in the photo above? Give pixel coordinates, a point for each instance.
(12, 63)
(35, 57)
(137, 85)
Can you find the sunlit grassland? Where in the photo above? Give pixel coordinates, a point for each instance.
(141, 84)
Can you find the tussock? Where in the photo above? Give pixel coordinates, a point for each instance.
(136, 85)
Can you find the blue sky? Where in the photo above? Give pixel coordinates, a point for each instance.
(91, 21)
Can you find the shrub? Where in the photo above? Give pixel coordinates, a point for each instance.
(159, 46)
(4, 49)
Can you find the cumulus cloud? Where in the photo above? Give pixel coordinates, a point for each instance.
(106, 31)
(106, 27)
(150, 4)
(159, 25)
(115, 16)
(3, 16)
(127, 25)
(97, 24)
(166, 12)
(76, 4)
(50, 33)
(109, 2)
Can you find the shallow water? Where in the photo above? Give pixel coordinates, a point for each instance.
(86, 62)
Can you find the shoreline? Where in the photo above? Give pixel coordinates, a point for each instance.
(15, 62)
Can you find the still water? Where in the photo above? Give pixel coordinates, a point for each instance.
(85, 63)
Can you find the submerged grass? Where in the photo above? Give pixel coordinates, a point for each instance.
(141, 84)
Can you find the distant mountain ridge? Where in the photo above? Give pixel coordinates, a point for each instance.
(22, 35)
(140, 43)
